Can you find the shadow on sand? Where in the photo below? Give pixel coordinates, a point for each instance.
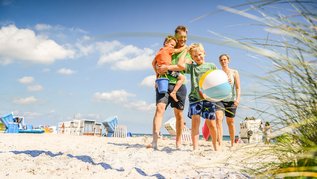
(86, 159)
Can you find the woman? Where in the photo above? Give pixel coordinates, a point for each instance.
(267, 132)
(229, 105)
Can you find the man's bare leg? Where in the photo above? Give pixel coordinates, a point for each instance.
(157, 123)
(179, 126)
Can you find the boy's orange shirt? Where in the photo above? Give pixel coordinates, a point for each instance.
(164, 56)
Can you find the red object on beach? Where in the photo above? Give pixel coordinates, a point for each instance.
(205, 131)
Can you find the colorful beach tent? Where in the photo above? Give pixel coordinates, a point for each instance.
(115, 130)
(11, 126)
(110, 125)
(15, 125)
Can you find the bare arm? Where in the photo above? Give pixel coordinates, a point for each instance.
(237, 85)
(179, 67)
(181, 62)
(179, 50)
(154, 67)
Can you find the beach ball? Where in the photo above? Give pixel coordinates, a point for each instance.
(215, 84)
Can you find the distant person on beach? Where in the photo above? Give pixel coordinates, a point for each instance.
(267, 132)
(199, 106)
(164, 57)
(163, 100)
(229, 105)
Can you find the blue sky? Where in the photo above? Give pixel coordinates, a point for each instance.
(92, 59)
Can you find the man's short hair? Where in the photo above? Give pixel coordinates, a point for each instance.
(180, 28)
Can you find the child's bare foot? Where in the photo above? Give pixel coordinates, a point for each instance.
(173, 95)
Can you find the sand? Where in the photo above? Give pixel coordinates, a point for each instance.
(65, 156)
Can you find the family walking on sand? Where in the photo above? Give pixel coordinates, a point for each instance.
(175, 59)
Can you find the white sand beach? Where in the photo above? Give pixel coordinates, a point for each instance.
(65, 156)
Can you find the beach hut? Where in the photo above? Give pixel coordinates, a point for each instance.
(251, 131)
(69, 127)
(80, 127)
(89, 127)
(98, 129)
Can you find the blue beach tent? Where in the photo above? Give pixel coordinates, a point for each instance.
(110, 125)
(15, 125)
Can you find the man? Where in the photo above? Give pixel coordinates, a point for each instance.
(163, 100)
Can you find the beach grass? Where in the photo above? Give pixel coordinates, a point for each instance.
(291, 46)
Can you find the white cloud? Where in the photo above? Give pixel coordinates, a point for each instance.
(149, 81)
(107, 47)
(65, 71)
(29, 80)
(58, 29)
(35, 88)
(138, 62)
(120, 54)
(26, 80)
(140, 105)
(41, 27)
(116, 95)
(25, 101)
(127, 57)
(121, 97)
(83, 49)
(84, 46)
(25, 45)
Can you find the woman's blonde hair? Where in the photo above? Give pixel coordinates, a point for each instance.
(196, 46)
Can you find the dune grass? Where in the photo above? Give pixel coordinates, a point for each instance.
(291, 46)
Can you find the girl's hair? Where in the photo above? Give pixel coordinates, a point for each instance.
(196, 46)
(168, 38)
(226, 55)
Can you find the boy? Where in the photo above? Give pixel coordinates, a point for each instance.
(199, 106)
(164, 57)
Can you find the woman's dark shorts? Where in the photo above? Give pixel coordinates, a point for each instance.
(228, 107)
(166, 99)
(205, 109)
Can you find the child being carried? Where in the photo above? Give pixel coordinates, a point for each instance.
(164, 57)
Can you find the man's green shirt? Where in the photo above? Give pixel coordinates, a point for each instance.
(175, 59)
